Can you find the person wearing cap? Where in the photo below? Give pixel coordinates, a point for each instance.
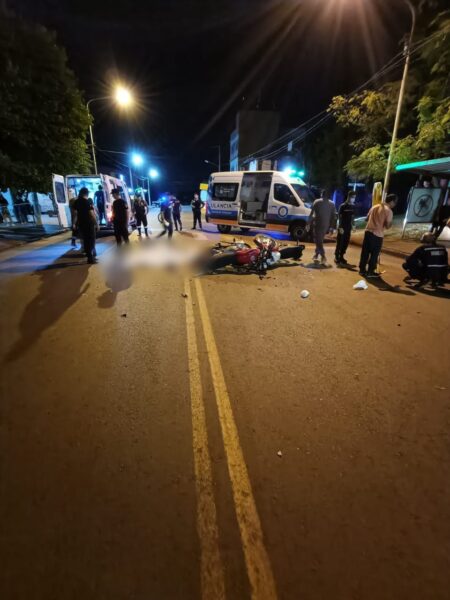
(428, 262)
(86, 223)
(346, 217)
(120, 217)
(378, 219)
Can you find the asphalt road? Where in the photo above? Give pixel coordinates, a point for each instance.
(164, 436)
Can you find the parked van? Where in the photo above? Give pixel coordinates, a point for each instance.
(269, 200)
(68, 186)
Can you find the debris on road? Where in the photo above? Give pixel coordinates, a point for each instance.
(360, 285)
(123, 315)
(304, 294)
(184, 295)
(280, 454)
(440, 387)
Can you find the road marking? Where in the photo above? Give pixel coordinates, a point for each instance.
(256, 558)
(212, 571)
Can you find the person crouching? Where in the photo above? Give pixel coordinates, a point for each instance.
(428, 262)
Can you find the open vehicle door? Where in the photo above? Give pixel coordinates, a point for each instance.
(61, 200)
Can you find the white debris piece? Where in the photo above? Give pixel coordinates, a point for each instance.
(304, 294)
(361, 285)
(280, 454)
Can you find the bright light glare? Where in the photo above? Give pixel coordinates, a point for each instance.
(123, 96)
(137, 159)
(289, 171)
(153, 173)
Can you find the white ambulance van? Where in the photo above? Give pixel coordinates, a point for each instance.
(270, 200)
(68, 186)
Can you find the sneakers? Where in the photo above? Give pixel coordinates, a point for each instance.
(323, 261)
(373, 275)
(316, 258)
(362, 273)
(343, 261)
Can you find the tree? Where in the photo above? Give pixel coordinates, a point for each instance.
(43, 120)
(425, 123)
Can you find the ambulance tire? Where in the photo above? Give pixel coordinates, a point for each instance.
(298, 231)
(224, 228)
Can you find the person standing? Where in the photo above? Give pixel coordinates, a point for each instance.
(73, 217)
(86, 223)
(197, 206)
(140, 212)
(322, 217)
(378, 220)
(166, 218)
(346, 217)
(176, 211)
(99, 198)
(120, 217)
(4, 209)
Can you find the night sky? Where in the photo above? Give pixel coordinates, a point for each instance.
(194, 63)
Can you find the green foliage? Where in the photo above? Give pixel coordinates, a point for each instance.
(425, 121)
(43, 121)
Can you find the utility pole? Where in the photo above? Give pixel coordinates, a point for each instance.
(401, 94)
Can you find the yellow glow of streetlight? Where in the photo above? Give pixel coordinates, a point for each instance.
(123, 96)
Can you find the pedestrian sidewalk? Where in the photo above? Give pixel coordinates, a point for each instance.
(17, 234)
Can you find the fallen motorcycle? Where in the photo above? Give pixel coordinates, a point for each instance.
(239, 254)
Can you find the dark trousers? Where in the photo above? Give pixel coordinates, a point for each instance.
(101, 214)
(167, 229)
(88, 237)
(177, 221)
(342, 242)
(141, 220)
(370, 252)
(121, 233)
(197, 218)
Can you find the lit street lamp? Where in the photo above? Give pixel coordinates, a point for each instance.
(401, 94)
(123, 98)
(208, 162)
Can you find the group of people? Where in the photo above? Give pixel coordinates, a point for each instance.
(88, 215)
(170, 214)
(428, 262)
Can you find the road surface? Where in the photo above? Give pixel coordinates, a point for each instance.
(164, 436)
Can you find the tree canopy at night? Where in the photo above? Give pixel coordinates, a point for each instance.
(43, 121)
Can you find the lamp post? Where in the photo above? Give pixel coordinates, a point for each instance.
(401, 94)
(123, 98)
(208, 162)
(219, 151)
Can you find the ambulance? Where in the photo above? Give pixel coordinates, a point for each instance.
(271, 200)
(66, 187)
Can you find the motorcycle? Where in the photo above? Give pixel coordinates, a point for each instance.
(241, 255)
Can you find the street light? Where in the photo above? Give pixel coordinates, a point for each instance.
(137, 159)
(123, 98)
(208, 162)
(153, 174)
(401, 94)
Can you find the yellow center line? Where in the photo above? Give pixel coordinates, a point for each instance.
(256, 558)
(212, 571)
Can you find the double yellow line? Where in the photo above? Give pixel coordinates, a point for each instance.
(256, 558)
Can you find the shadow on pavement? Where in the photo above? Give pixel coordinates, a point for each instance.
(118, 279)
(384, 286)
(440, 292)
(59, 290)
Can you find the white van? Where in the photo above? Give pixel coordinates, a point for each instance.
(269, 200)
(68, 186)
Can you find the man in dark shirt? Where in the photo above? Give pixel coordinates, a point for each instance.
(346, 215)
(120, 217)
(428, 262)
(176, 211)
(166, 218)
(197, 206)
(86, 223)
(99, 197)
(140, 212)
